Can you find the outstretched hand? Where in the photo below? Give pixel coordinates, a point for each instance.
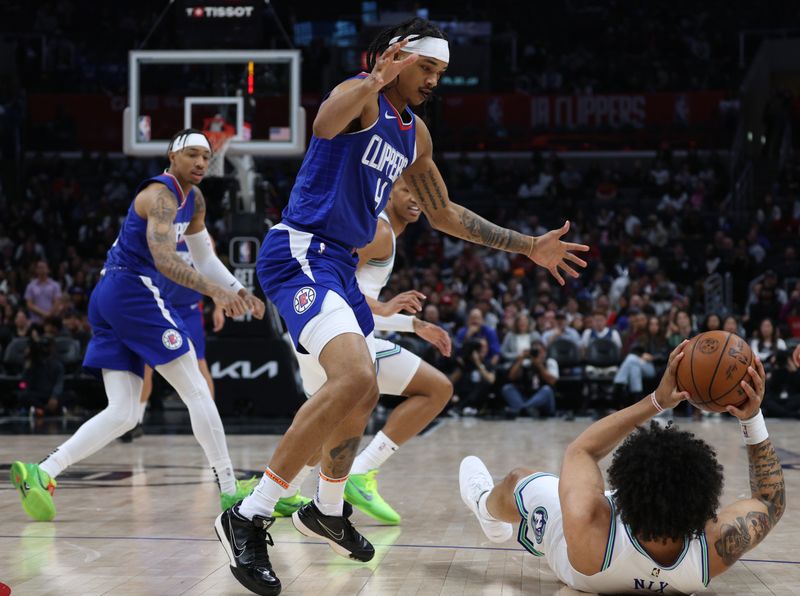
(387, 68)
(667, 394)
(553, 254)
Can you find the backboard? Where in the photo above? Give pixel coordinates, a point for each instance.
(257, 92)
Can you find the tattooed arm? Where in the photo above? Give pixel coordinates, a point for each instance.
(429, 191)
(159, 206)
(741, 526)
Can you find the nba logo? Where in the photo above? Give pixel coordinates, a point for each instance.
(245, 252)
(303, 299)
(143, 129)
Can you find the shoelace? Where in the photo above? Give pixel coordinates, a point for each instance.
(371, 483)
(349, 529)
(260, 545)
(477, 486)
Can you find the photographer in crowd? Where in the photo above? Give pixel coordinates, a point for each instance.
(473, 377)
(532, 378)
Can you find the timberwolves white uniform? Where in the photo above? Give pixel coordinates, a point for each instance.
(627, 568)
(396, 365)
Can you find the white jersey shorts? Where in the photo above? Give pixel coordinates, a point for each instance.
(396, 367)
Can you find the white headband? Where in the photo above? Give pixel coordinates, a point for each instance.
(193, 139)
(432, 47)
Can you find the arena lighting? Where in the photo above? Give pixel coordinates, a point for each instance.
(250, 69)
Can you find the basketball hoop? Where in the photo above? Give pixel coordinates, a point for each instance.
(220, 134)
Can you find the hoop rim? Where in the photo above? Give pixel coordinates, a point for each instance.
(219, 139)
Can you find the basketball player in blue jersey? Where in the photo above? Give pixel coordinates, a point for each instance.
(659, 531)
(133, 324)
(400, 372)
(189, 305)
(365, 137)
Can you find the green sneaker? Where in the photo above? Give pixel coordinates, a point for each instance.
(361, 491)
(288, 505)
(35, 490)
(243, 489)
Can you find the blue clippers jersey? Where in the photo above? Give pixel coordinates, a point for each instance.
(344, 182)
(130, 250)
(177, 294)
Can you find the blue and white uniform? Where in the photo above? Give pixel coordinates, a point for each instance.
(342, 186)
(396, 365)
(627, 568)
(132, 322)
(187, 302)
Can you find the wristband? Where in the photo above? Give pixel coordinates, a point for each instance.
(396, 322)
(754, 430)
(656, 405)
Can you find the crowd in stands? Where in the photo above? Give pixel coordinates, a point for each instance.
(615, 46)
(657, 232)
(657, 229)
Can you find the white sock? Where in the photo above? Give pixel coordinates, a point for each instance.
(482, 509)
(185, 377)
(122, 389)
(374, 455)
(296, 484)
(330, 495)
(262, 500)
(142, 408)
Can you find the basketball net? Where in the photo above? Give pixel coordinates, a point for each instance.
(220, 134)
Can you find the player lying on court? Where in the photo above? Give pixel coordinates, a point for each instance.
(400, 372)
(652, 531)
(365, 137)
(133, 324)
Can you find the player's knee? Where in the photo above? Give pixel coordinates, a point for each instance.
(123, 419)
(517, 474)
(442, 390)
(358, 385)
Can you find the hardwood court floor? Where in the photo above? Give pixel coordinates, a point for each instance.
(137, 519)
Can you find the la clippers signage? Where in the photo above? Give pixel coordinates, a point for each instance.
(220, 24)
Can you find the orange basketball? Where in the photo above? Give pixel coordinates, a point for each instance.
(713, 365)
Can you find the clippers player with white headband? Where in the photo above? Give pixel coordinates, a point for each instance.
(365, 137)
(133, 324)
(658, 530)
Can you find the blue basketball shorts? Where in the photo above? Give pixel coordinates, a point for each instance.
(297, 270)
(192, 317)
(132, 325)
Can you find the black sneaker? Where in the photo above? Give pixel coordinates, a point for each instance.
(246, 542)
(336, 531)
(134, 433)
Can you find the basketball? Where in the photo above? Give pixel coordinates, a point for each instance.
(713, 365)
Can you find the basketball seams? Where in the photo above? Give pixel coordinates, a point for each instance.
(716, 368)
(736, 384)
(691, 365)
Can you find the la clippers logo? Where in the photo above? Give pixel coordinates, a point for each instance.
(304, 299)
(171, 339)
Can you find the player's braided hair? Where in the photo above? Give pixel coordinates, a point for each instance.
(416, 27)
(667, 482)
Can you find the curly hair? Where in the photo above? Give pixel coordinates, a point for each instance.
(667, 482)
(416, 27)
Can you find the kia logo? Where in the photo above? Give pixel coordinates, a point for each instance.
(243, 369)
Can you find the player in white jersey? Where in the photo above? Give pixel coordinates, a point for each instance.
(652, 532)
(400, 372)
